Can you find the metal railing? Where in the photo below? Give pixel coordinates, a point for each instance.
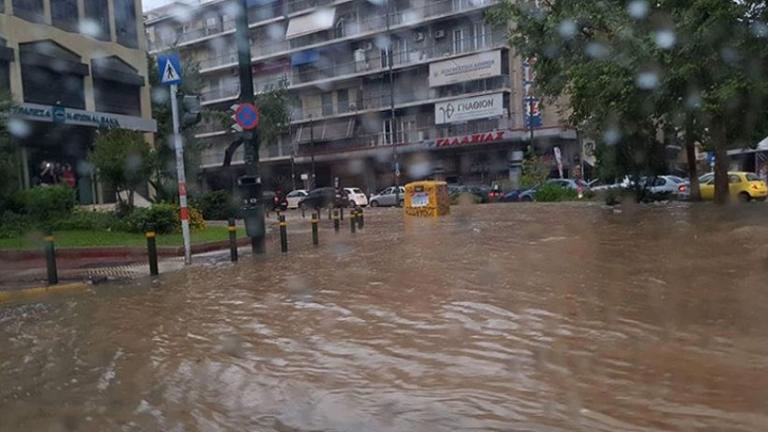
(377, 63)
(377, 22)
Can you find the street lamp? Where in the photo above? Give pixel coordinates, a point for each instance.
(312, 150)
(392, 126)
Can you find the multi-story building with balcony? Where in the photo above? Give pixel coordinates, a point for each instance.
(460, 94)
(72, 67)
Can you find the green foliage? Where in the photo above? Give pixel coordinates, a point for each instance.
(550, 192)
(13, 225)
(535, 171)
(163, 218)
(9, 161)
(687, 67)
(86, 220)
(216, 205)
(44, 205)
(163, 170)
(123, 159)
(274, 109)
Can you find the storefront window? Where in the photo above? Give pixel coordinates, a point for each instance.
(64, 14)
(97, 14)
(125, 23)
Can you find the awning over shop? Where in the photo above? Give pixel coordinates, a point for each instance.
(319, 20)
(114, 69)
(326, 131)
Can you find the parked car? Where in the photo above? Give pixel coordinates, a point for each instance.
(324, 197)
(387, 197)
(744, 186)
(481, 192)
(518, 195)
(294, 197)
(574, 184)
(355, 197)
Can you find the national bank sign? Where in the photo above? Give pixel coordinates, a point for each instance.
(71, 116)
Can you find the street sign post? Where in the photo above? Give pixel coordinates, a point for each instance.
(169, 67)
(247, 116)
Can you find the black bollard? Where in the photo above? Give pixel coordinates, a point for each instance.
(232, 239)
(341, 212)
(315, 240)
(360, 218)
(283, 234)
(152, 251)
(302, 212)
(50, 259)
(329, 213)
(336, 220)
(352, 222)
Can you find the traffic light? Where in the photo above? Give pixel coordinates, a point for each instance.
(191, 110)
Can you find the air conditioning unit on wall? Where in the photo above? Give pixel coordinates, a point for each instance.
(419, 36)
(439, 34)
(367, 46)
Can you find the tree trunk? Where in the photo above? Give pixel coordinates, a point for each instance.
(721, 162)
(690, 151)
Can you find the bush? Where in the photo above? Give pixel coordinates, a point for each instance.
(47, 204)
(164, 217)
(464, 198)
(86, 220)
(216, 205)
(549, 192)
(13, 225)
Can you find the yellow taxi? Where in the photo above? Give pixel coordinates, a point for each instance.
(744, 186)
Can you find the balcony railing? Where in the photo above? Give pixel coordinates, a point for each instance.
(376, 22)
(374, 64)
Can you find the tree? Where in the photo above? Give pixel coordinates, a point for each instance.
(123, 159)
(274, 109)
(163, 176)
(9, 162)
(637, 73)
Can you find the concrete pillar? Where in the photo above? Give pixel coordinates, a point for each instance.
(515, 165)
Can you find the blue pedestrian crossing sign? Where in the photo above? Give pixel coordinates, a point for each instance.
(169, 67)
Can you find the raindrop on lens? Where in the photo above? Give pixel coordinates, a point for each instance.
(665, 39)
(638, 9)
(611, 136)
(567, 29)
(647, 80)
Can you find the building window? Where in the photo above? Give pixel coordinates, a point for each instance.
(458, 41)
(125, 23)
(5, 80)
(342, 100)
(116, 97)
(48, 87)
(64, 14)
(481, 36)
(97, 19)
(52, 75)
(327, 102)
(30, 10)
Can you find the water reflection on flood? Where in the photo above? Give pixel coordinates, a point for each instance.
(505, 317)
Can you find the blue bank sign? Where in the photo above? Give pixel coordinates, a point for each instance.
(71, 116)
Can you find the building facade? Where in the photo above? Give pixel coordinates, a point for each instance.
(72, 67)
(460, 97)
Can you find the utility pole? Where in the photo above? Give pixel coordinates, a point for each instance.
(312, 150)
(530, 124)
(250, 138)
(392, 127)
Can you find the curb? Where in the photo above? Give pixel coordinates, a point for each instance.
(31, 293)
(118, 251)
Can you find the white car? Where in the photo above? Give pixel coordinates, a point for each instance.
(387, 197)
(294, 197)
(355, 197)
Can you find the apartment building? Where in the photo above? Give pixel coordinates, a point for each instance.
(461, 97)
(71, 67)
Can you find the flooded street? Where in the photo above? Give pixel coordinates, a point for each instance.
(546, 318)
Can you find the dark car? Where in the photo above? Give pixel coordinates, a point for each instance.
(481, 192)
(322, 198)
(519, 195)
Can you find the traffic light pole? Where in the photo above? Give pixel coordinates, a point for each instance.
(250, 138)
(182, 178)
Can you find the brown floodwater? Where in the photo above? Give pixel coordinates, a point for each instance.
(548, 318)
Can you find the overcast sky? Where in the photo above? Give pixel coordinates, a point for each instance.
(151, 4)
